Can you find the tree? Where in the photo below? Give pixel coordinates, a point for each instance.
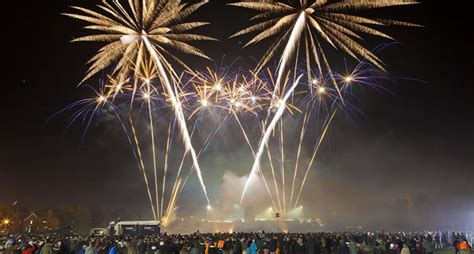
(65, 215)
(83, 218)
(52, 222)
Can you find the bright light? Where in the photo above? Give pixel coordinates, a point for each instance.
(209, 207)
(204, 103)
(127, 39)
(315, 81)
(6, 221)
(218, 86)
(279, 103)
(146, 96)
(253, 98)
(270, 208)
(100, 99)
(321, 90)
(348, 79)
(237, 104)
(232, 101)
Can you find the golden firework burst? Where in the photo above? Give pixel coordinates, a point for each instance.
(318, 21)
(122, 28)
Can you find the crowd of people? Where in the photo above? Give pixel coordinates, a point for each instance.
(246, 243)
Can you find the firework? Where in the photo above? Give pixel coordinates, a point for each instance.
(317, 21)
(122, 29)
(140, 39)
(302, 20)
(179, 115)
(266, 136)
(152, 28)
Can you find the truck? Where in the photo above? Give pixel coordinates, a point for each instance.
(134, 228)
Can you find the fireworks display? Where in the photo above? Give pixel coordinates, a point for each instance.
(148, 82)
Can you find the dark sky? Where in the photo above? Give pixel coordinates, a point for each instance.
(419, 140)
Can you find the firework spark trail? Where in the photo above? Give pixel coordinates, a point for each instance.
(178, 113)
(90, 121)
(253, 153)
(139, 157)
(268, 189)
(178, 179)
(274, 178)
(153, 148)
(289, 48)
(266, 136)
(205, 144)
(282, 154)
(295, 67)
(244, 133)
(182, 161)
(298, 152)
(83, 104)
(180, 168)
(315, 151)
(170, 209)
(165, 171)
(331, 74)
(143, 169)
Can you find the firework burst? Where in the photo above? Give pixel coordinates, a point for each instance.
(123, 28)
(315, 22)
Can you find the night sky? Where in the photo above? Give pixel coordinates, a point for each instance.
(418, 141)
